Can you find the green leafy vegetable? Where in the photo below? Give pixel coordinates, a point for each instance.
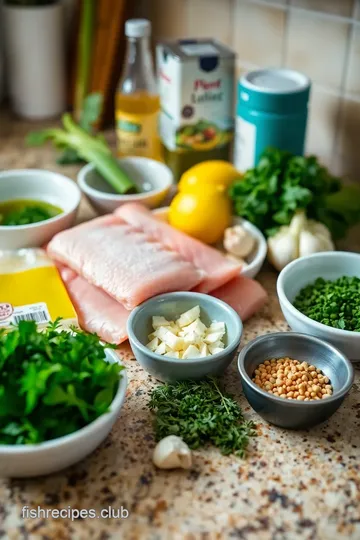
(199, 412)
(52, 383)
(334, 303)
(78, 144)
(270, 194)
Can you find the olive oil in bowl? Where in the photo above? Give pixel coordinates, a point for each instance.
(18, 212)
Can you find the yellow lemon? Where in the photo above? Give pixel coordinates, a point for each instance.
(208, 173)
(204, 215)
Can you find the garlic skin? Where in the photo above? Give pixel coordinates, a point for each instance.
(172, 453)
(302, 237)
(238, 241)
(237, 260)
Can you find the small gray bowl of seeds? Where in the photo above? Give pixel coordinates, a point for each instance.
(294, 380)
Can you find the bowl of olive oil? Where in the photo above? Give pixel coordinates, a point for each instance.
(34, 206)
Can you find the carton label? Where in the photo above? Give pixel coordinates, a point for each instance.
(196, 99)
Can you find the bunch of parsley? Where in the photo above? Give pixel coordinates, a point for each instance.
(52, 383)
(200, 413)
(269, 194)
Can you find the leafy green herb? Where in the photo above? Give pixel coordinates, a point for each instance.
(52, 383)
(78, 144)
(199, 412)
(270, 194)
(334, 303)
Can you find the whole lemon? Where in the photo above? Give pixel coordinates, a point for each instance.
(208, 173)
(204, 215)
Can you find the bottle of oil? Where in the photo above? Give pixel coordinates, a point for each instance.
(137, 99)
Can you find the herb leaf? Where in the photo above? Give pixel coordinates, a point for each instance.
(200, 413)
(52, 382)
(281, 184)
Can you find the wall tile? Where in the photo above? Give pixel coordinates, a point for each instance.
(317, 46)
(169, 19)
(336, 7)
(277, 2)
(322, 124)
(218, 19)
(352, 85)
(357, 10)
(349, 135)
(258, 33)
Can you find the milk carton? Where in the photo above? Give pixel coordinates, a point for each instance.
(196, 85)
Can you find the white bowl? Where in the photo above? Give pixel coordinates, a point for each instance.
(303, 271)
(256, 259)
(26, 460)
(37, 184)
(152, 177)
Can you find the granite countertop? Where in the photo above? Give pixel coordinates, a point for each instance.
(293, 485)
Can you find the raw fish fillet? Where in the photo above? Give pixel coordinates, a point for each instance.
(243, 294)
(97, 311)
(217, 268)
(123, 261)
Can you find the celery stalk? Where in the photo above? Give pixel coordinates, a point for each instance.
(91, 149)
(84, 54)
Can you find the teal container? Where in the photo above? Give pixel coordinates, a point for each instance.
(272, 111)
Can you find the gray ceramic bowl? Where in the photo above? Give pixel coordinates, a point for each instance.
(171, 306)
(295, 414)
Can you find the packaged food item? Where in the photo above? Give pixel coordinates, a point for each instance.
(31, 290)
(196, 85)
(272, 109)
(137, 99)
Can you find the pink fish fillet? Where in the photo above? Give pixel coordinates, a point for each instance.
(122, 260)
(217, 268)
(244, 295)
(97, 311)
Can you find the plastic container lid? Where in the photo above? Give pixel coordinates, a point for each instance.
(137, 28)
(277, 81)
(274, 91)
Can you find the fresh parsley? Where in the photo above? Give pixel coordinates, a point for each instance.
(334, 303)
(52, 382)
(200, 412)
(269, 194)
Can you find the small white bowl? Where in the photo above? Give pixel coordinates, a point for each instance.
(25, 460)
(36, 184)
(152, 177)
(301, 272)
(256, 259)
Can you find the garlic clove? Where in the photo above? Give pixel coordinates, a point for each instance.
(282, 248)
(172, 453)
(311, 243)
(238, 241)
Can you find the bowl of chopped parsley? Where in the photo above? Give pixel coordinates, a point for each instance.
(320, 296)
(60, 394)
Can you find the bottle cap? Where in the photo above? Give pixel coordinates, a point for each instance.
(137, 28)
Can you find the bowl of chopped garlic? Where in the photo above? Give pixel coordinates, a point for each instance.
(184, 335)
(292, 380)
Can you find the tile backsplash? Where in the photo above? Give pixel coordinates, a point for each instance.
(319, 37)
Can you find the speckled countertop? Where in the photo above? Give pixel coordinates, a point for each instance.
(293, 485)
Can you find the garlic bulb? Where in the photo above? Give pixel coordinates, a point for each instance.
(238, 241)
(172, 453)
(302, 237)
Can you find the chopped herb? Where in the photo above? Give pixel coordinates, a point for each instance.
(270, 194)
(334, 303)
(52, 383)
(200, 413)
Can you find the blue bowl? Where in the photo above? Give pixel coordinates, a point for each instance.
(171, 306)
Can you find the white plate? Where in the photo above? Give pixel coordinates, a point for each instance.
(256, 259)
